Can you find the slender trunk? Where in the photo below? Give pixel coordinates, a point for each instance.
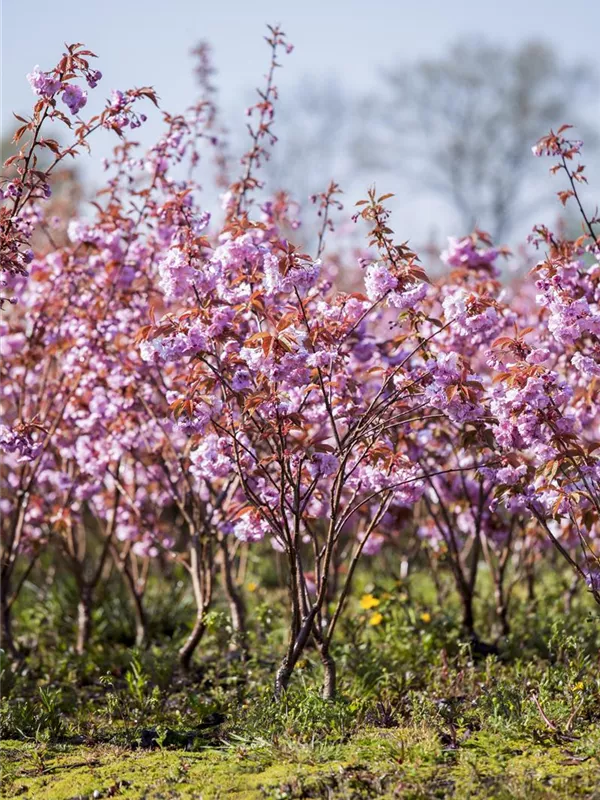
(193, 640)
(501, 607)
(84, 619)
(329, 670)
(137, 602)
(201, 570)
(8, 642)
(295, 650)
(437, 582)
(282, 678)
(530, 579)
(237, 608)
(570, 593)
(466, 587)
(468, 619)
(404, 569)
(329, 683)
(284, 672)
(332, 587)
(141, 624)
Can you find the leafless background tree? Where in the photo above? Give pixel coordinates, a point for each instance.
(461, 126)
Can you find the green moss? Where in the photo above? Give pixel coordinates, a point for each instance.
(518, 768)
(404, 762)
(48, 774)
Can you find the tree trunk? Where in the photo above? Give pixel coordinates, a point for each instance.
(570, 593)
(502, 609)
(530, 579)
(468, 620)
(139, 612)
(295, 649)
(187, 651)
(329, 675)
(8, 642)
(141, 625)
(237, 608)
(439, 586)
(282, 678)
(84, 620)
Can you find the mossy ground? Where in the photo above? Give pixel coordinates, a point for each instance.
(402, 763)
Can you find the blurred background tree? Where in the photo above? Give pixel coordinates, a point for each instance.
(461, 126)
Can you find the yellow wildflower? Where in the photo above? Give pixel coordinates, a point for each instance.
(368, 601)
(376, 619)
(251, 586)
(578, 687)
(426, 617)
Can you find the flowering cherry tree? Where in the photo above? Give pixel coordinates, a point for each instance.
(292, 389)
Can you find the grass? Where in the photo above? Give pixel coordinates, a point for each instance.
(419, 715)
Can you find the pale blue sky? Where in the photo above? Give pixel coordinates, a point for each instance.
(148, 42)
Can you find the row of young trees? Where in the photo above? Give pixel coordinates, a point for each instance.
(179, 387)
